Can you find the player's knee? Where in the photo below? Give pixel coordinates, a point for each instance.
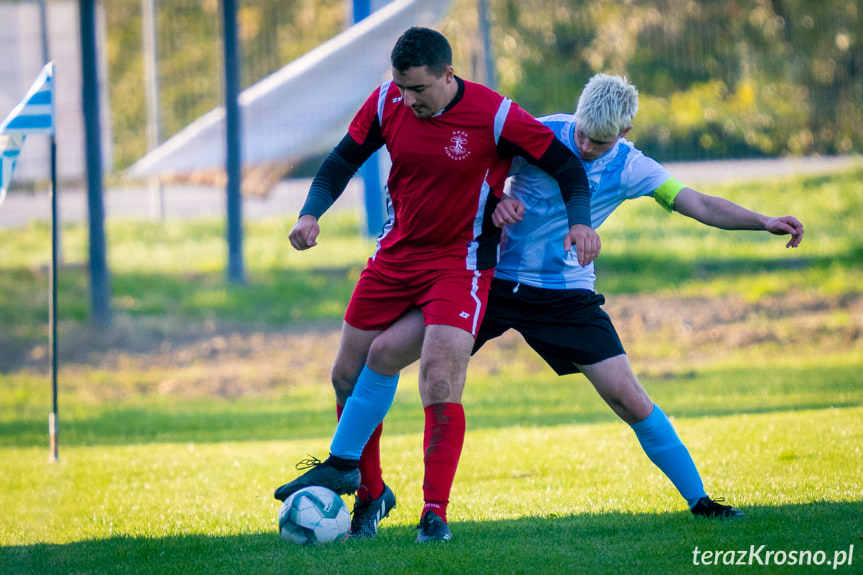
(438, 390)
(381, 358)
(343, 383)
(389, 358)
(630, 401)
(635, 407)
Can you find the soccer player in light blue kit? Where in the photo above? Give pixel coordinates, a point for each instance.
(540, 290)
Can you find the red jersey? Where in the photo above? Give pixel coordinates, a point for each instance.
(447, 173)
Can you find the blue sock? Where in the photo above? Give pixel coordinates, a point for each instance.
(366, 407)
(664, 448)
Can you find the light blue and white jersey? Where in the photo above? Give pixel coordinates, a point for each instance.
(532, 250)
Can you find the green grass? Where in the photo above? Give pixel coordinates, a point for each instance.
(528, 498)
(533, 494)
(549, 482)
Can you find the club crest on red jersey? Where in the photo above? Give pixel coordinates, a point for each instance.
(458, 150)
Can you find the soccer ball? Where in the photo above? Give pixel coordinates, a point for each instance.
(314, 515)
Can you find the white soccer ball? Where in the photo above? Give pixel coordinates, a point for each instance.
(314, 515)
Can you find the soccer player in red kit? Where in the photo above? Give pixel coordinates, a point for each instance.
(451, 142)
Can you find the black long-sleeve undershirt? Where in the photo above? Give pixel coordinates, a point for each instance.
(566, 168)
(337, 170)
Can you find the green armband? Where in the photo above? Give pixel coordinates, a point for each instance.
(665, 194)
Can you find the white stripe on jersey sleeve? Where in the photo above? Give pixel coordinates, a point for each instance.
(382, 100)
(500, 118)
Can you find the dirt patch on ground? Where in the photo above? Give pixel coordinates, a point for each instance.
(165, 357)
(703, 329)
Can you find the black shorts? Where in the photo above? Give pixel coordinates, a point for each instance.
(565, 327)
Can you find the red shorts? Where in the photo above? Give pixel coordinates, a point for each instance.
(384, 293)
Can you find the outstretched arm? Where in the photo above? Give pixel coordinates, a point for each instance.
(726, 215)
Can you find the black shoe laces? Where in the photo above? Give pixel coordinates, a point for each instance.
(308, 463)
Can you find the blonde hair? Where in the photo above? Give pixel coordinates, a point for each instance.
(606, 107)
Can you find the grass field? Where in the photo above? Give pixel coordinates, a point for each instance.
(178, 422)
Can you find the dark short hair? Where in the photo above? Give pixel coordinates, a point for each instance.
(422, 47)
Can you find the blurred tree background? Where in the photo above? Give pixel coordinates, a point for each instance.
(729, 79)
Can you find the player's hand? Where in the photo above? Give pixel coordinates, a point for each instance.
(786, 225)
(508, 211)
(586, 241)
(304, 234)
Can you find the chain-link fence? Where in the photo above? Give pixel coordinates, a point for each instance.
(740, 78)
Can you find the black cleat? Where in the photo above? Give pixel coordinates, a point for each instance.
(321, 473)
(707, 507)
(367, 514)
(433, 528)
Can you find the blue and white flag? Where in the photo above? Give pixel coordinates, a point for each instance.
(33, 115)
(10, 147)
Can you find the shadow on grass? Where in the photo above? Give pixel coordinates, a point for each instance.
(585, 543)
